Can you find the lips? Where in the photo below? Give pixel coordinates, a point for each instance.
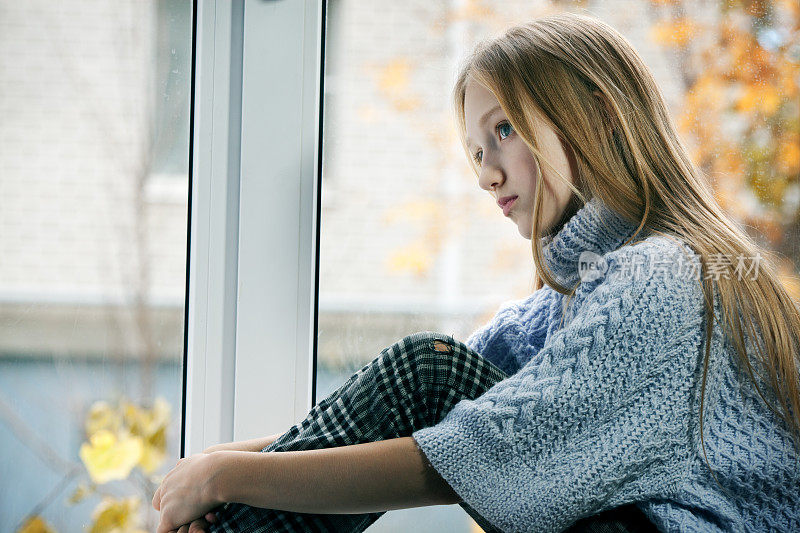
(505, 203)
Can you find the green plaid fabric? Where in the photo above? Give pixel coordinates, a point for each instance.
(410, 385)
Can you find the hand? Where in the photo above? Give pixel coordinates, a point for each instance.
(201, 524)
(185, 494)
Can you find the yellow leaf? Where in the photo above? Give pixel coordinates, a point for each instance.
(729, 162)
(749, 99)
(80, 492)
(393, 78)
(405, 104)
(770, 100)
(413, 210)
(36, 524)
(759, 97)
(473, 10)
(102, 416)
(412, 258)
(117, 516)
(756, 8)
(150, 425)
(705, 96)
(789, 154)
(791, 6)
(108, 458)
(393, 83)
(154, 451)
(787, 82)
(143, 422)
(676, 32)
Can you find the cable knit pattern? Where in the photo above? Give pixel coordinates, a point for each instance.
(516, 332)
(595, 228)
(604, 410)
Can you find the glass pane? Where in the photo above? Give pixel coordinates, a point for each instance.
(94, 100)
(409, 242)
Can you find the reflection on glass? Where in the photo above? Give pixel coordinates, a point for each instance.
(408, 240)
(94, 186)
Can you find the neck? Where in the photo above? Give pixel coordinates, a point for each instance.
(572, 207)
(591, 227)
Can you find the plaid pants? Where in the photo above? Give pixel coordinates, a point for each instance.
(412, 384)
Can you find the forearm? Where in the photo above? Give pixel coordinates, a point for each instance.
(251, 445)
(361, 478)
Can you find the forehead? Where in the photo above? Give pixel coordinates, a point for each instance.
(479, 104)
(477, 95)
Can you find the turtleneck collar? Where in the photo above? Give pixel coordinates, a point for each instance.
(594, 227)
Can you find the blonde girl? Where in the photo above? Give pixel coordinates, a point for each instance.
(631, 391)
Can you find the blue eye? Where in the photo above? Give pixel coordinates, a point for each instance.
(504, 126)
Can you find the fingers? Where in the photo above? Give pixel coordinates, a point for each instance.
(198, 526)
(211, 517)
(157, 495)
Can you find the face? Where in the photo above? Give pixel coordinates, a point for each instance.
(507, 167)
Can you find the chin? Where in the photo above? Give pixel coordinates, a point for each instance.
(524, 231)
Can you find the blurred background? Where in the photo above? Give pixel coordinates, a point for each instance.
(94, 158)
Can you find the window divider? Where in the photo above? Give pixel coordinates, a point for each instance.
(253, 264)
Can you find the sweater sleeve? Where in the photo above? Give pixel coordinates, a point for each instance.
(518, 326)
(599, 421)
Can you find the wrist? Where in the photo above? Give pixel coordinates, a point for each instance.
(216, 493)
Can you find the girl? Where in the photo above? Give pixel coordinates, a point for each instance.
(614, 398)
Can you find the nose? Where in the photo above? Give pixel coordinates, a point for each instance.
(490, 177)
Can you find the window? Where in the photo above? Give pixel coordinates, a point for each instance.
(92, 278)
(409, 242)
(312, 241)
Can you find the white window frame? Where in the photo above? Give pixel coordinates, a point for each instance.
(254, 219)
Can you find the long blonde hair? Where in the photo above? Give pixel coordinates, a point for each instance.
(590, 85)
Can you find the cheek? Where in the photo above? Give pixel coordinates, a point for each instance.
(532, 172)
(531, 165)
(525, 163)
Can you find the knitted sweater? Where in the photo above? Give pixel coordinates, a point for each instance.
(602, 410)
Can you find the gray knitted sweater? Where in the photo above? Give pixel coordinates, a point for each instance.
(602, 410)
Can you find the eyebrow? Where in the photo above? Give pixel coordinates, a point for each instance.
(483, 119)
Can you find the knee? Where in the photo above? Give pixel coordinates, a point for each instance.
(430, 341)
(422, 347)
(419, 360)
